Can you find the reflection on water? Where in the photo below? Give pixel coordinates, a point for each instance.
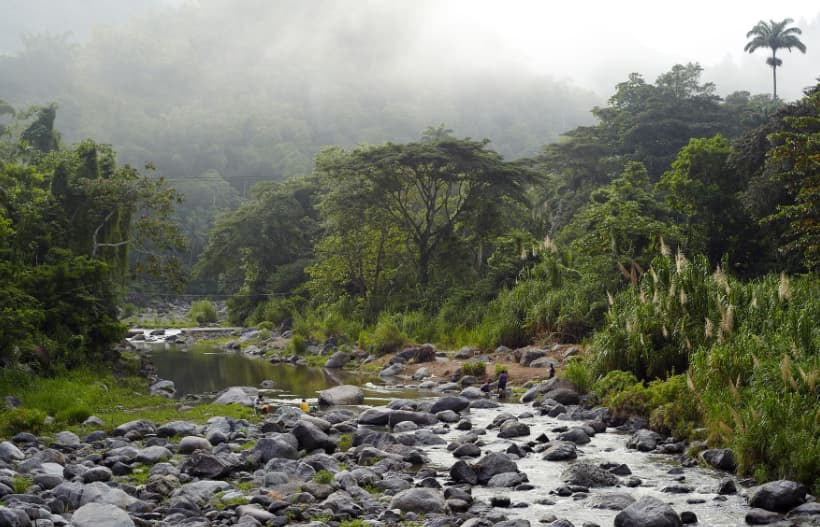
(207, 369)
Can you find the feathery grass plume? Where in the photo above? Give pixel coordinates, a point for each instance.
(642, 296)
(523, 255)
(727, 320)
(654, 275)
(688, 344)
(665, 250)
(753, 303)
(784, 289)
(708, 329)
(786, 372)
(809, 379)
(673, 289)
(683, 298)
(609, 298)
(739, 426)
(680, 261)
(721, 279)
(755, 361)
(664, 331)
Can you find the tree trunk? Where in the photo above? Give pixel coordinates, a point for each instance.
(774, 76)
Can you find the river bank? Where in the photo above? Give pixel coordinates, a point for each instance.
(450, 459)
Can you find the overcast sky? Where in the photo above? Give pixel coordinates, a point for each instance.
(594, 43)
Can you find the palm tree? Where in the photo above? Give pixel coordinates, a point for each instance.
(774, 35)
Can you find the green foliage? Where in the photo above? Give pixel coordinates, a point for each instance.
(352, 523)
(386, 337)
(203, 312)
(500, 368)
(297, 345)
(22, 420)
(579, 372)
(474, 368)
(775, 36)
(323, 476)
(20, 484)
(345, 442)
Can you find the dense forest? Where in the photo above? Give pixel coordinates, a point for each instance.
(674, 232)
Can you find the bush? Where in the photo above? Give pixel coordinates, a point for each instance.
(613, 382)
(579, 372)
(203, 312)
(22, 420)
(323, 476)
(74, 414)
(297, 345)
(475, 368)
(386, 337)
(500, 368)
(345, 442)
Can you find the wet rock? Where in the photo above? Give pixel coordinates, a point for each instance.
(564, 396)
(341, 395)
(420, 418)
(455, 404)
(807, 512)
(467, 450)
(278, 446)
(588, 475)
(688, 517)
(648, 511)
(311, 438)
(405, 426)
(513, 428)
(189, 444)
(420, 374)
(507, 479)
(762, 517)
(560, 451)
(392, 370)
(472, 393)
(575, 435)
(563, 522)
(176, 428)
(419, 500)
(484, 403)
(461, 472)
(96, 474)
(615, 501)
(464, 424)
(779, 496)
(10, 453)
(447, 416)
(375, 416)
(135, 429)
(720, 458)
(337, 360)
(492, 464)
(500, 501)
(243, 395)
(726, 486)
(644, 440)
(101, 515)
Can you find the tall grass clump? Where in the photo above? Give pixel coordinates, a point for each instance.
(475, 368)
(760, 388)
(202, 312)
(579, 372)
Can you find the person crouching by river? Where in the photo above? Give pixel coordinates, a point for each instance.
(502, 385)
(259, 405)
(486, 387)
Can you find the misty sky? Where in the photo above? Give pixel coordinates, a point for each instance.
(594, 44)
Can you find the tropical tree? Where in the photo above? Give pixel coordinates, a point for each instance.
(775, 36)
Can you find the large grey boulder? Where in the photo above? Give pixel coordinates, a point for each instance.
(420, 418)
(419, 500)
(243, 395)
(575, 435)
(566, 396)
(530, 355)
(339, 395)
(135, 429)
(644, 440)
(492, 464)
(163, 388)
(462, 472)
(311, 438)
(554, 384)
(100, 515)
(513, 428)
(276, 447)
(9, 452)
(455, 404)
(176, 428)
(189, 444)
(648, 512)
(721, 458)
(588, 475)
(66, 439)
(99, 492)
(337, 360)
(200, 492)
(613, 501)
(392, 370)
(153, 454)
(375, 416)
(560, 451)
(472, 393)
(779, 496)
(206, 465)
(507, 479)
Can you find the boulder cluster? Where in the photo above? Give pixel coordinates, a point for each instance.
(349, 463)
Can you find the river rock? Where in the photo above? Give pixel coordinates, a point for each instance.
(484, 403)
(135, 429)
(153, 454)
(614, 501)
(648, 512)
(206, 465)
(806, 512)
(530, 355)
(462, 472)
(588, 475)
(100, 515)
(200, 492)
(467, 450)
(455, 404)
(10, 453)
(448, 416)
(560, 451)
(420, 374)
(778, 496)
(375, 416)
(762, 517)
(720, 458)
(243, 395)
(420, 418)
(98, 492)
(513, 428)
(644, 440)
(96, 474)
(268, 448)
(163, 388)
(575, 435)
(567, 396)
(492, 464)
(341, 395)
(419, 500)
(176, 428)
(392, 370)
(311, 438)
(507, 479)
(554, 384)
(189, 444)
(66, 440)
(467, 352)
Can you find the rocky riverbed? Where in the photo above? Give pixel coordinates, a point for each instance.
(454, 459)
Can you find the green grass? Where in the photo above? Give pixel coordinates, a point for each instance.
(76, 394)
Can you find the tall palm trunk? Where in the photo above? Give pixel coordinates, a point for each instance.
(774, 75)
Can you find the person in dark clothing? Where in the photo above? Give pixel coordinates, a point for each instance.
(486, 386)
(552, 370)
(502, 383)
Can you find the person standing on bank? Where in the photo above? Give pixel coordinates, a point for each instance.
(304, 406)
(502, 383)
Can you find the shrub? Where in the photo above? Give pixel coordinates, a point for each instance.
(579, 372)
(474, 368)
(22, 420)
(323, 476)
(21, 484)
(386, 337)
(297, 345)
(613, 382)
(73, 414)
(203, 312)
(500, 368)
(345, 442)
